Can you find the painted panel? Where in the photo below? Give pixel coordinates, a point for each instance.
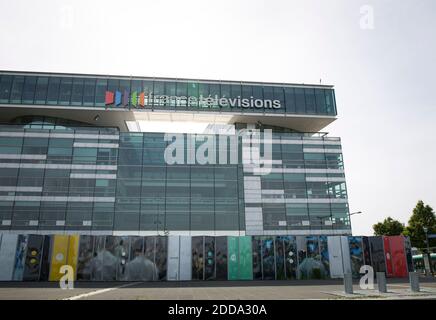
(324, 253)
(268, 258)
(112, 255)
(73, 253)
(139, 267)
(7, 256)
(356, 255)
(245, 258)
(280, 258)
(291, 262)
(99, 253)
(45, 263)
(377, 254)
(257, 257)
(388, 257)
(398, 256)
(86, 261)
(233, 254)
(221, 258)
(209, 251)
(346, 254)
(408, 249)
(20, 258)
(366, 251)
(161, 257)
(197, 258)
(311, 267)
(32, 265)
(58, 256)
(335, 257)
(173, 258)
(185, 264)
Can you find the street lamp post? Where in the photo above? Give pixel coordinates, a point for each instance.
(349, 215)
(428, 249)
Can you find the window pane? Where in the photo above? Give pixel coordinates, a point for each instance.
(77, 92)
(29, 89)
(310, 100)
(88, 92)
(100, 92)
(5, 88)
(65, 91)
(53, 90)
(17, 89)
(41, 90)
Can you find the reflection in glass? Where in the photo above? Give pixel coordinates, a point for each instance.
(161, 257)
(85, 262)
(209, 251)
(139, 267)
(324, 252)
(221, 258)
(356, 254)
(268, 259)
(280, 258)
(290, 247)
(257, 258)
(197, 258)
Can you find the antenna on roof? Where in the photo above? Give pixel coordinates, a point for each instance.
(320, 80)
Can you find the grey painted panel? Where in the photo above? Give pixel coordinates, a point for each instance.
(185, 258)
(7, 255)
(346, 254)
(335, 256)
(173, 258)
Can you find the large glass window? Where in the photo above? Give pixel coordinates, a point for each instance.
(321, 106)
(53, 90)
(330, 102)
(65, 91)
(290, 100)
(17, 89)
(100, 91)
(5, 88)
(279, 94)
(29, 89)
(300, 100)
(89, 92)
(310, 100)
(77, 92)
(41, 90)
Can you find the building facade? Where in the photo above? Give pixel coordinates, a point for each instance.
(115, 156)
(75, 157)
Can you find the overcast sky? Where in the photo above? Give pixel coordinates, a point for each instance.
(383, 69)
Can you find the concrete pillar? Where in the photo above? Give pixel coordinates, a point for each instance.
(381, 282)
(348, 283)
(414, 281)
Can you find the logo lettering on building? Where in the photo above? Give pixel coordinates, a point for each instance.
(141, 100)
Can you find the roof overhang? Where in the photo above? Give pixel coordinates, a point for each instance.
(118, 117)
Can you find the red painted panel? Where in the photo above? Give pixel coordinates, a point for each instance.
(141, 99)
(109, 97)
(398, 251)
(388, 257)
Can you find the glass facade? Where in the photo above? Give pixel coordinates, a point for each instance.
(55, 177)
(166, 94)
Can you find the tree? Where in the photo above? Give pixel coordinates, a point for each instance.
(389, 227)
(423, 216)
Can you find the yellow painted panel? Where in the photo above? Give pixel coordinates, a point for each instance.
(58, 256)
(73, 253)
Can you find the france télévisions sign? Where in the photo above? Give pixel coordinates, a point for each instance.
(142, 100)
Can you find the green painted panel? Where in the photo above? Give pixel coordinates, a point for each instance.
(245, 258)
(233, 264)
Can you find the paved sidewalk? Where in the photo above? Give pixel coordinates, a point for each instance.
(218, 290)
